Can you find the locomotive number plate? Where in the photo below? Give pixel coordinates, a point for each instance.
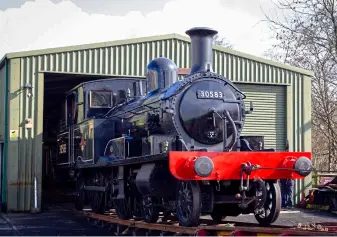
(206, 94)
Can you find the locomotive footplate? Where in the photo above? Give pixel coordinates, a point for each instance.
(110, 162)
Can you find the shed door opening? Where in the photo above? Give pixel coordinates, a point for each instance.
(64, 138)
(59, 110)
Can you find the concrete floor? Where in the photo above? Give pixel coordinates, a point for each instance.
(53, 221)
(292, 217)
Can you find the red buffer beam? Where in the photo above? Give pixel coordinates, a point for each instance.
(228, 165)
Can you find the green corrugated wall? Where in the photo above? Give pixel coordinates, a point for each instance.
(285, 87)
(2, 99)
(268, 117)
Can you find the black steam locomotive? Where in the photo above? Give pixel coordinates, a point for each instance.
(171, 146)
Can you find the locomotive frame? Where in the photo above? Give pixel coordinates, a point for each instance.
(158, 151)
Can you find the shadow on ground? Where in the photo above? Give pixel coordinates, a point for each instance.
(54, 221)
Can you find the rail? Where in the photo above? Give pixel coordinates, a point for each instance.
(169, 226)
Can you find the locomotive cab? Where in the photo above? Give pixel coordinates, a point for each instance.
(84, 131)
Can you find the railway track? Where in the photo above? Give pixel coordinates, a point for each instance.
(170, 227)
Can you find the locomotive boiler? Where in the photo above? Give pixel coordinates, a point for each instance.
(176, 148)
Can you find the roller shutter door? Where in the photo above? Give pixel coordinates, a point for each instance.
(269, 116)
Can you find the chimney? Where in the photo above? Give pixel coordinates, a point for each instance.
(201, 48)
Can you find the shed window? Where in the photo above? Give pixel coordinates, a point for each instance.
(100, 99)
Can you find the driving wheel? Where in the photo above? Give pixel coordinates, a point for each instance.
(150, 211)
(80, 196)
(97, 198)
(272, 206)
(122, 207)
(188, 203)
(97, 202)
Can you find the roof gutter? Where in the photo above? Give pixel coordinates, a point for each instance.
(3, 206)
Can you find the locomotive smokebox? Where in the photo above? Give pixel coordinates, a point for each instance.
(201, 48)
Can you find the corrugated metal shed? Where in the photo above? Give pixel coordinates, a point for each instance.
(281, 92)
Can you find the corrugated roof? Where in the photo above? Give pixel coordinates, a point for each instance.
(149, 39)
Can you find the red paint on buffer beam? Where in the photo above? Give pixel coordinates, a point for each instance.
(229, 165)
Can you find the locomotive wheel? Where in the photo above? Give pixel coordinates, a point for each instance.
(97, 202)
(80, 196)
(188, 203)
(122, 207)
(272, 206)
(150, 211)
(97, 198)
(217, 214)
(138, 207)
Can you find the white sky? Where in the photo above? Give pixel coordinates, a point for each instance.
(42, 24)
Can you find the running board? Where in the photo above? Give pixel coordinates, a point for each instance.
(95, 188)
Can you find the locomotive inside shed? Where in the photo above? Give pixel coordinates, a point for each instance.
(60, 97)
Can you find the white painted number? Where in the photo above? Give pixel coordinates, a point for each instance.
(210, 94)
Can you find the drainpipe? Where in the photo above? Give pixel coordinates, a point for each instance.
(4, 164)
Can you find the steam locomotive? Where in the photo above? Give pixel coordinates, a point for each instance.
(172, 146)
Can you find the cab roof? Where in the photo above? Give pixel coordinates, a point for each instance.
(106, 79)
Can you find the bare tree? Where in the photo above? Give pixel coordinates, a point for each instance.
(307, 37)
(221, 41)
